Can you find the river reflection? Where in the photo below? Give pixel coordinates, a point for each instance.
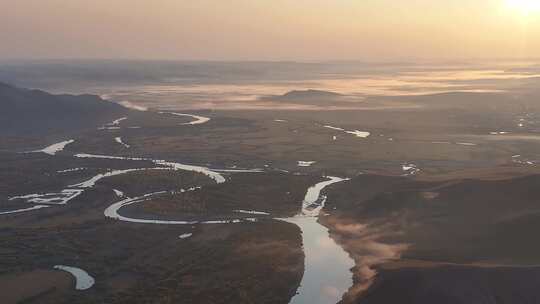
(327, 274)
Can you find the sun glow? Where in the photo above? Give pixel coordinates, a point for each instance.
(524, 6)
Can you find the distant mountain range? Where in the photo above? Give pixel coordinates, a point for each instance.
(306, 97)
(303, 94)
(35, 112)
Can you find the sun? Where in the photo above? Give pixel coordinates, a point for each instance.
(524, 6)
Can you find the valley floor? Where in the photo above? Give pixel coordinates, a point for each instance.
(435, 209)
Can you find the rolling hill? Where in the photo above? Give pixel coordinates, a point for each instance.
(35, 112)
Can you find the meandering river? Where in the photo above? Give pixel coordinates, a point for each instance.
(327, 274)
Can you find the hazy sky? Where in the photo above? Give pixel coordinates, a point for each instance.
(269, 29)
